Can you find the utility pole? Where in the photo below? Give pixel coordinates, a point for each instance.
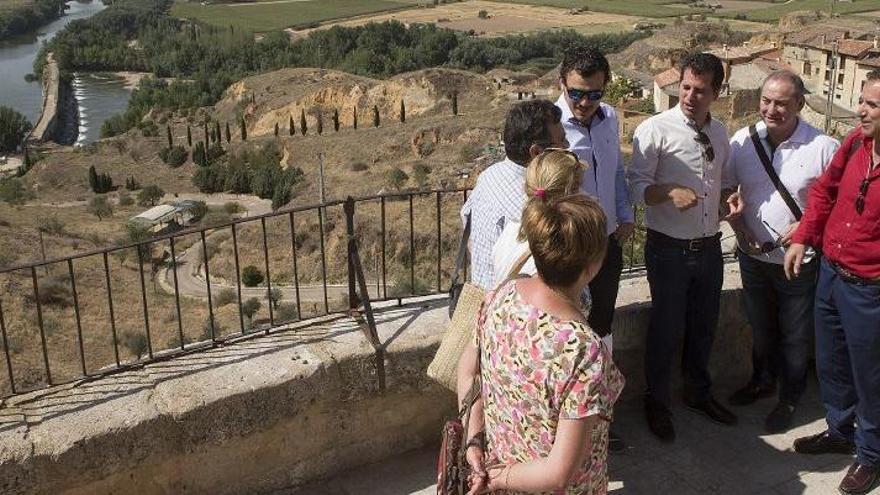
(832, 85)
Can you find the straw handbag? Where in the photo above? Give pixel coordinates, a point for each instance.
(444, 366)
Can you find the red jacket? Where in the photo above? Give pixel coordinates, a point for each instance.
(830, 220)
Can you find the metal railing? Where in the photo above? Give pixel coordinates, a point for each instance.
(413, 244)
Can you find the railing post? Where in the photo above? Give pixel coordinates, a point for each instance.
(348, 208)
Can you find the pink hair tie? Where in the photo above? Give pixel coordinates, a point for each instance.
(540, 193)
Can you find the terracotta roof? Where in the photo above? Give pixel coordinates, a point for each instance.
(813, 37)
(667, 77)
(870, 62)
(771, 65)
(854, 48)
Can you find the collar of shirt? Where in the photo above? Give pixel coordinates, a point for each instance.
(691, 122)
(801, 134)
(568, 116)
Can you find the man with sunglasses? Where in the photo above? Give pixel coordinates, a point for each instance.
(678, 156)
(774, 163)
(843, 219)
(592, 132)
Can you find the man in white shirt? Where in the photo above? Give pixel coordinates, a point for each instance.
(678, 156)
(780, 311)
(592, 131)
(499, 194)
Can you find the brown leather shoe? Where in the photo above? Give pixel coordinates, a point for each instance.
(823, 443)
(859, 479)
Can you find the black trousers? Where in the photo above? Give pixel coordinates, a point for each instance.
(603, 289)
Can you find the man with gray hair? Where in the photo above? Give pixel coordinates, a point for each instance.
(774, 162)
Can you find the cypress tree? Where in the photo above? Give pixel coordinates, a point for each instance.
(243, 130)
(402, 112)
(189, 136)
(455, 103)
(93, 178)
(228, 134)
(336, 120)
(276, 129)
(320, 124)
(206, 131)
(291, 128)
(375, 116)
(170, 139)
(355, 119)
(302, 122)
(217, 131)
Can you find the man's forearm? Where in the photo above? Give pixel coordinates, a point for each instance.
(657, 194)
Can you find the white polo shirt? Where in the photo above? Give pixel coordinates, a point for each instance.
(798, 162)
(665, 151)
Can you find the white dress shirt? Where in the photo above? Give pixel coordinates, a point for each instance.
(798, 162)
(498, 198)
(665, 151)
(598, 144)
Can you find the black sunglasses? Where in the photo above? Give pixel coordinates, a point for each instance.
(769, 246)
(860, 199)
(577, 95)
(706, 143)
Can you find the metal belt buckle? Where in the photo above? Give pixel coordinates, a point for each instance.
(695, 244)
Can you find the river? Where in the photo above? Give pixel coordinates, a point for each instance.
(98, 95)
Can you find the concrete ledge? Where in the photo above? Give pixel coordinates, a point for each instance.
(275, 411)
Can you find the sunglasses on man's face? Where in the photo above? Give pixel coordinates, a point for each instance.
(576, 95)
(704, 141)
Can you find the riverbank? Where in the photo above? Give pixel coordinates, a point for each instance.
(24, 19)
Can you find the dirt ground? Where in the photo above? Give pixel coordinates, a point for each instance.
(503, 19)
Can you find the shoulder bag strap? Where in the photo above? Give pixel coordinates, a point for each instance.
(774, 178)
(462, 250)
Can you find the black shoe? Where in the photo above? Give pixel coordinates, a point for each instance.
(859, 479)
(659, 419)
(712, 410)
(615, 444)
(779, 419)
(751, 393)
(824, 443)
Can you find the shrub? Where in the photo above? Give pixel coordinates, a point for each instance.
(13, 191)
(225, 296)
(274, 296)
(250, 307)
(100, 207)
(13, 127)
(199, 156)
(51, 225)
(150, 195)
(397, 178)
(251, 276)
(420, 173)
(53, 292)
(125, 199)
(286, 312)
(174, 156)
(232, 208)
(136, 343)
(483, 14)
(358, 167)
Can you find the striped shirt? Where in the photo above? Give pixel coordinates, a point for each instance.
(498, 197)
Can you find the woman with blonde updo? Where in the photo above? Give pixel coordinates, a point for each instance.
(548, 384)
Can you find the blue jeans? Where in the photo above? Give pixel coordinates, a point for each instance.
(848, 360)
(685, 296)
(780, 312)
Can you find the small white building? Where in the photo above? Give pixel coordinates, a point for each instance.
(164, 217)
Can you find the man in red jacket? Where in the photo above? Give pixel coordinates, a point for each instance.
(843, 219)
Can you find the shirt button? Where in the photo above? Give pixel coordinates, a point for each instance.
(838, 246)
(847, 224)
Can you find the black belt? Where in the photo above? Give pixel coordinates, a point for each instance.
(852, 278)
(694, 245)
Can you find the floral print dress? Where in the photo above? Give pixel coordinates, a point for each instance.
(536, 369)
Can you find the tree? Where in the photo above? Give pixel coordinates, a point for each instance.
(170, 139)
(99, 183)
(13, 128)
(100, 207)
(207, 136)
(276, 129)
(302, 122)
(93, 178)
(281, 196)
(217, 131)
(250, 307)
(13, 191)
(375, 116)
(455, 103)
(402, 112)
(354, 121)
(174, 156)
(274, 296)
(618, 89)
(150, 195)
(420, 174)
(131, 184)
(336, 120)
(243, 130)
(397, 178)
(319, 126)
(228, 133)
(199, 155)
(189, 137)
(251, 276)
(291, 127)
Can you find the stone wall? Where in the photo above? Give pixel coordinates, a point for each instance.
(275, 411)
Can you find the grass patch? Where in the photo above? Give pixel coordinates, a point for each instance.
(777, 10)
(646, 8)
(273, 15)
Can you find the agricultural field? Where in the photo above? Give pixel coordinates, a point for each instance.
(499, 19)
(6, 5)
(279, 14)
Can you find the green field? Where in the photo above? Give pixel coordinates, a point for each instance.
(13, 4)
(279, 14)
(662, 8)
